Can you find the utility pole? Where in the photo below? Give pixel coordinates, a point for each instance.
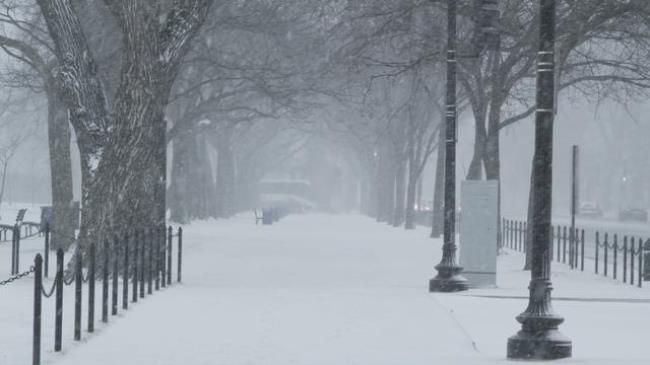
(539, 337)
(448, 278)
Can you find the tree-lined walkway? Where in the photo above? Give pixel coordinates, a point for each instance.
(325, 289)
(308, 290)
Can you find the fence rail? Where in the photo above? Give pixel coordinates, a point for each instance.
(146, 258)
(620, 257)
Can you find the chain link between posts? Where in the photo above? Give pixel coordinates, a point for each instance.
(17, 277)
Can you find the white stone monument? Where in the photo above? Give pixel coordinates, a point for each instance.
(478, 232)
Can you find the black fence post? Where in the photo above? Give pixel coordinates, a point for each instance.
(582, 250)
(13, 251)
(615, 249)
(564, 245)
(77, 295)
(143, 239)
(116, 275)
(597, 246)
(640, 275)
(125, 273)
(559, 243)
(632, 247)
(163, 255)
(156, 250)
(38, 288)
(46, 253)
(58, 314)
(105, 283)
(625, 259)
(605, 251)
(150, 265)
(91, 290)
(170, 235)
(134, 293)
(522, 244)
(180, 253)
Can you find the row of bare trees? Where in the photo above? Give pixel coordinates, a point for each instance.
(233, 89)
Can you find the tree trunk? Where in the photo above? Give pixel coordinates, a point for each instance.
(62, 223)
(410, 193)
(475, 171)
(400, 177)
(437, 210)
(225, 173)
(192, 191)
(121, 147)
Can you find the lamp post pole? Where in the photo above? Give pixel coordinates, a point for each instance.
(539, 337)
(448, 278)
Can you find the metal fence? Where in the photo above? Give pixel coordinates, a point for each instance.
(142, 260)
(620, 257)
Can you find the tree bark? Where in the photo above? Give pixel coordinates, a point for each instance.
(409, 222)
(121, 150)
(225, 173)
(62, 229)
(400, 189)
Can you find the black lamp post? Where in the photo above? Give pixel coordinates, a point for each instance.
(449, 278)
(539, 337)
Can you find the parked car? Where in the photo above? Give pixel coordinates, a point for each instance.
(590, 210)
(633, 214)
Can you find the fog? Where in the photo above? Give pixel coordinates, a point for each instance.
(331, 181)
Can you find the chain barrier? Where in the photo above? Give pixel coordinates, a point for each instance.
(17, 277)
(70, 276)
(51, 291)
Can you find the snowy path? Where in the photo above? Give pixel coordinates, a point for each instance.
(309, 290)
(322, 289)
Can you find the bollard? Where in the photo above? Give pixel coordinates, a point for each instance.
(143, 238)
(640, 274)
(559, 243)
(582, 250)
(597, 246)
(632, 260)
(625, 259)
(605, 250)
(134, 293)
(564, 245)
(13, 251)
(105, 283)
(156, 260)
(180, 253)
(91, 290)
(77, 295)
(615, 249)
(46, 253)
(38, 287)
(18, 252)
(169, 255)
(125, 274)
(163, 256)
(646, 260)
(150, 266)
(116, 274)
(58, 314)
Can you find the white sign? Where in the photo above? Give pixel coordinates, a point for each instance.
(478, 232)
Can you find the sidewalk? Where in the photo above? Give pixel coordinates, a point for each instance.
(324, 289)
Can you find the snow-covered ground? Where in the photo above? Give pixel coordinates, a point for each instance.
(328, 289)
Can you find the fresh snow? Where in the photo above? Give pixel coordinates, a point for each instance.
(326, 289)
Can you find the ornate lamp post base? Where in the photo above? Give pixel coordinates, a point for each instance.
(539, 338)
(544, 345)
(448, 280)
